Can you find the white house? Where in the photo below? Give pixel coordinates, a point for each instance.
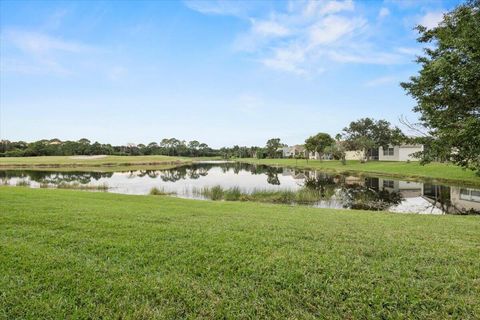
(290, 152)
(399, 153)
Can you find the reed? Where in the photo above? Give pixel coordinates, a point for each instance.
(78, 186)
(302, 196)
(23, 183)
(160, 192)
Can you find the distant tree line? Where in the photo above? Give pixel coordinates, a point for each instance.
(56, 147)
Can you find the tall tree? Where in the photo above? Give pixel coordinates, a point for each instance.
(318, 143)
(366, 134)
(447, 87)
(272, 147)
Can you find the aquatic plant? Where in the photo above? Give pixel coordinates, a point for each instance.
(23, 183)
(160, 192)
(302, 196)
(78, 186)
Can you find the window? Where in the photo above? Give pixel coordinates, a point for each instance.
(470, 195)
(388, 183)
(388, 152)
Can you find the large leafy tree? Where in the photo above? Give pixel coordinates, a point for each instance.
(367, 133)
(272, 147)
(318, 143)
(447, 87)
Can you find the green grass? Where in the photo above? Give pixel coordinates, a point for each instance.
(71, 254)
(108, 161)
(413, 170)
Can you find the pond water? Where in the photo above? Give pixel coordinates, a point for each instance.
(331, 190)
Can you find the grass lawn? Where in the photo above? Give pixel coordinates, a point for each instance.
(108, 161)
(437, 171)
(74, 254)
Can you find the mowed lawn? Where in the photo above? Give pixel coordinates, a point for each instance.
(439, 171)
(78, 161)
(74, 254)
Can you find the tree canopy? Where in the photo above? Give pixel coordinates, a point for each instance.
(272, 146)
(367, 133)
(447, 87)
(318, 143)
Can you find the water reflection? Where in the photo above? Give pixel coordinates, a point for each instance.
(335, 190)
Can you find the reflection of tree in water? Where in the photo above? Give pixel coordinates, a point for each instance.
(323, 183)
(365, 195)
(180, 173)
(366, 198)
(56, 177)
(272, 178)
(440, 197)
(147, 173)
(272, 175)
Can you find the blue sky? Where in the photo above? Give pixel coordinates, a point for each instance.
(221, 72)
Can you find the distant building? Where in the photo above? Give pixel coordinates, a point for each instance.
(399, 153)
(391, 153)
(293, 151)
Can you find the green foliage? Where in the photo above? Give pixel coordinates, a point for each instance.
(367, 133)
(447, 88)
(318, 143)
(272, 147)
(56, 147)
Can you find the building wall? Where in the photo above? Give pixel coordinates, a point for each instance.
(400, 153)
(383, 157)
(406, 153)
(314, 155)
(354, 155)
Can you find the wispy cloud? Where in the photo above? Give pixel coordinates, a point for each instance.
(431, 19)
(40, 44)
(307, 35)
(381, 81)
(217, 7)
(37, 52)
(384, 12)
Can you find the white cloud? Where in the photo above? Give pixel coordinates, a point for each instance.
(287, 59)
(321, 8)
(32, 52)
(380, 81)
(384, 12)
(409, 51)
(269, 28)
(332, 28)
(307, 35)
(431, 19)
(40, 44)
(217, 7)
(336, 6)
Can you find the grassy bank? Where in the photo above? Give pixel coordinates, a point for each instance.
(91, 255)
(106, 163)
(413, 170)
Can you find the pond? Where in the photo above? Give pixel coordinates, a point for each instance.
(238, 181)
